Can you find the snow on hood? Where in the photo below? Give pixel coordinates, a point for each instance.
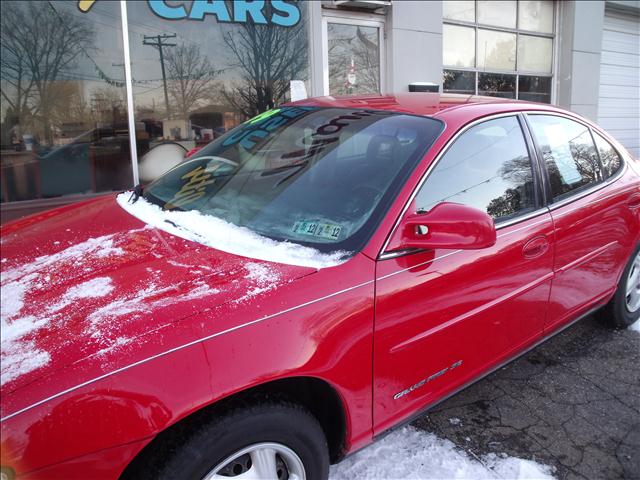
(96, 296)
(217, 233)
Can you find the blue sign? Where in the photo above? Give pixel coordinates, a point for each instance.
(282, 13)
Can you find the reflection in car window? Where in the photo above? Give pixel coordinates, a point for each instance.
(488, 167)
(317, 176)
(568, 151)
(609, 158)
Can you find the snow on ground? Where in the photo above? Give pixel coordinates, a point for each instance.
(409, 453)
(635, 326)
(217, 233)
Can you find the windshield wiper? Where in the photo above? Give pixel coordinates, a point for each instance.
(136, 194)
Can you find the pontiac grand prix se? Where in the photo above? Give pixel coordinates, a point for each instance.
(318, 275)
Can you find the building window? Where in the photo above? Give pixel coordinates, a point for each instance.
(499, 48)
(64, 124)
(198, 77)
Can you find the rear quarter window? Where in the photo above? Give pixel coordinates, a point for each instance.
(609, 157)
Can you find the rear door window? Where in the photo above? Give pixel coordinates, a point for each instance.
(487, 167)
(568, 152)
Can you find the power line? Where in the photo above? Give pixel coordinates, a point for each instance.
(158, 41)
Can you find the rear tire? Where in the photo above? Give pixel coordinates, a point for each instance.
(280, 438)
(624, 308)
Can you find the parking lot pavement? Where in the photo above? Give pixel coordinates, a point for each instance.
(572, 403)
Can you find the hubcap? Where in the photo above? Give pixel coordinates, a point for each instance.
(633, 286)
(261, 461)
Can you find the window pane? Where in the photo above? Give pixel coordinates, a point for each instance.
(568, 151)
(496, 50)
(497, 85)
(488, 167)
(609, 158)
(458, 46)
(216, 75)
(499, 13)
(536, 16)
(456, 81)
(64, 114)
(464, 10)
(302, 174)
(534, 54)
(534, 89)
(354, 59)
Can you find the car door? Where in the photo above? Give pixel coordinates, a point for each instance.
(443, 317)
(593, 217)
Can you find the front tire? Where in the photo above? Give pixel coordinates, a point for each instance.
(624, 307)
(277, 441)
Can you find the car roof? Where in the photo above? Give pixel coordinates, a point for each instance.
(425, 104)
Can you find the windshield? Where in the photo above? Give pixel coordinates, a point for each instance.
(321, 177)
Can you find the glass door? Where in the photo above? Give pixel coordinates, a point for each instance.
(353, 55)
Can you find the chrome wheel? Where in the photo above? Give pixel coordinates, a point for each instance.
(632, 289)
(261, 461)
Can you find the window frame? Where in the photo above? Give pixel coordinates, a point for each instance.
(351, 19)
(544, 203)
(538, 182)
(517, 31)
(585, 190)
(537, 194)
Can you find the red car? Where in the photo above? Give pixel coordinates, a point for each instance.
(320, 274)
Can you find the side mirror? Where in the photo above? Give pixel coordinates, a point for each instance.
(447, 225)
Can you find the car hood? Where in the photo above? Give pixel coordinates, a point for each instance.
(81, 283)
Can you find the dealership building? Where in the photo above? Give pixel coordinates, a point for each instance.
(90, 89)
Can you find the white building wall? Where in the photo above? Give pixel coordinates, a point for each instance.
(414, 44)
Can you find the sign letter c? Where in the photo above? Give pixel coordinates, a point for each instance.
(163, 10)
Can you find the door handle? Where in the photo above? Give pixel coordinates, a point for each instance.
(634, 201)
(535, 247)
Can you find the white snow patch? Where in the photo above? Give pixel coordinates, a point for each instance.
(178, 264)
(264, 279)
(635, 326)
(141, 301)
(409, 453)
(454, 421)
(94, 288)
(100, 246)
(19, 356)
(18, 360)
(221, 235)
(261, 274)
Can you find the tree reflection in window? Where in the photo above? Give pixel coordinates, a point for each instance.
(609, 158)
(488, 167)
(568, 152)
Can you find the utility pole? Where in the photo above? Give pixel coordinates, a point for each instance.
(158, 41)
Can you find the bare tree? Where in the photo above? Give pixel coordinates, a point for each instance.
(191, 77)
(268, 57)
(38, 43)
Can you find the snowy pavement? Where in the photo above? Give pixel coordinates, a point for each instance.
(572, 403)
(410, 453)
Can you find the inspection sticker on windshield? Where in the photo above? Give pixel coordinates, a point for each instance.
(316, 228)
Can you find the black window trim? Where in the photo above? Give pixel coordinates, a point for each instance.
(540, 201)
(585, 190)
